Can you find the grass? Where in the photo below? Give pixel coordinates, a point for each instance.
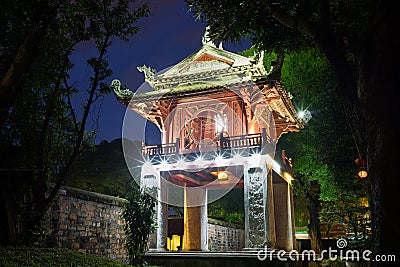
(39, 257)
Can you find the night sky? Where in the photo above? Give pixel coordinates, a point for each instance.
(166, 37)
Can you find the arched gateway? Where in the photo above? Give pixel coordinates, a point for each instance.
(220, 115)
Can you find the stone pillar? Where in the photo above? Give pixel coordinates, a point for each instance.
(152, 179)
(255, 207)
(162, 217)
(271, 210)
(204, 223)
(195, 220)
(284, 221)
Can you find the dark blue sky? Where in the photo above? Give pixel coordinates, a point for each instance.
(167, 36)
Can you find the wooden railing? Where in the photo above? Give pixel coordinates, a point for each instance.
(254, 142)
(241, 141)
(164, 149)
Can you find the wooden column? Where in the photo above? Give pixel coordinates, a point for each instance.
(284, 221)
(195, 220)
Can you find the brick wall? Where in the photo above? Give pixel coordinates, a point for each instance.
(88, 222)
(223, 236)
(91, 223)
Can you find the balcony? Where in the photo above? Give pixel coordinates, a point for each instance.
(226, 147)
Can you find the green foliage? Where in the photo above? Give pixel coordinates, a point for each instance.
(45, 129)
(229, 208)
(334, 263)
(356, 40)
(139, 222)
(38, 257)
(285, 25)
(351, 213)
(324, 150)
(231, 20)
(235, 217)
(252, 53)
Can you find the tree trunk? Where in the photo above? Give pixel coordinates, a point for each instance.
(314, 229)
(378, 93)
(7, 215)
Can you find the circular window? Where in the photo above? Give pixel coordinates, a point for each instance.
(204, 125)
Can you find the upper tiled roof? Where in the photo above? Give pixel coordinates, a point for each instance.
(208, 67)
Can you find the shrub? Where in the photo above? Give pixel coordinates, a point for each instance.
(139, 222)
(40, 257)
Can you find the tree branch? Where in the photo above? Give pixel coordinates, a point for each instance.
(294, 22)
(71, 108)
(78, 144)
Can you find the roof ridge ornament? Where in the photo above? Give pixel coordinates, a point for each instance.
(120, 92)
(206, 40)
(260, 58)
(149, 72)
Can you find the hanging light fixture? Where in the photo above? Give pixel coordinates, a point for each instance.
(222, 175)
(362, 172)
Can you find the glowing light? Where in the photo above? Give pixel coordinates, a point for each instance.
(222, 175)
(199, 160)
(219, 160)
(219, 123)
(287, 177)
(304, 115)
(164, 164)
(275, 166)
(237, 158)
(174, 242)
(362, 174)
(180, 162)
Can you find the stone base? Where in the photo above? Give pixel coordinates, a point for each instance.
(155, 250)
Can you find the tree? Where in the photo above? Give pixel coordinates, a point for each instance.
(360, 42)
(352, 214)
(139, 222)
(323, 153)
(41, 126)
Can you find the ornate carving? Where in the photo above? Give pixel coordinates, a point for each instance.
(260, 58)
(120, 92)
(148, 72)
(193, 124)
(206, 37)
(206, 66)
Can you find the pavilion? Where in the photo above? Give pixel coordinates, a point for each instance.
(220, 115)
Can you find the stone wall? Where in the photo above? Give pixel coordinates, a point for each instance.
(91, 223)
(88, 222)
(223, 236)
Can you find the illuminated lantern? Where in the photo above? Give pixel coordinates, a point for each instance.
(222, 176)
(363, 172)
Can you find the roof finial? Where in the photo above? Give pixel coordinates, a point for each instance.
(260, 58)
(206, 37)
(148, 72)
